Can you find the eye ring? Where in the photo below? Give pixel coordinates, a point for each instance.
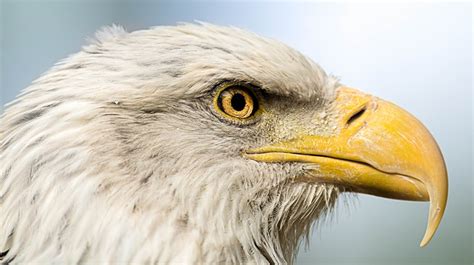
(236, 101)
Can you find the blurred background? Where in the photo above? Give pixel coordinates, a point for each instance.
(416, 55)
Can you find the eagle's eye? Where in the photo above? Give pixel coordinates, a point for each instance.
(236, 101)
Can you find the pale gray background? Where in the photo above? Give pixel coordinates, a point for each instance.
(417, 55)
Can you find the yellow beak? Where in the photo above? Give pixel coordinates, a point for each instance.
(380, 149)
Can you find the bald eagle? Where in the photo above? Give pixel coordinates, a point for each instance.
(196, 144)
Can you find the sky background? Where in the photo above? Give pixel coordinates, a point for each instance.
(416, 55)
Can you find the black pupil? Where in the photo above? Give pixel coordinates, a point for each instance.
(238, 102)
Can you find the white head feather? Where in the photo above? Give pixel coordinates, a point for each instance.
(114, 155)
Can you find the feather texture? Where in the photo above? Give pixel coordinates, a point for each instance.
(114, 156)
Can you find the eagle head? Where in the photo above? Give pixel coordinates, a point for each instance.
(196, 144)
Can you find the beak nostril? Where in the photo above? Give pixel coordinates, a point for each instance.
(355, 116)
